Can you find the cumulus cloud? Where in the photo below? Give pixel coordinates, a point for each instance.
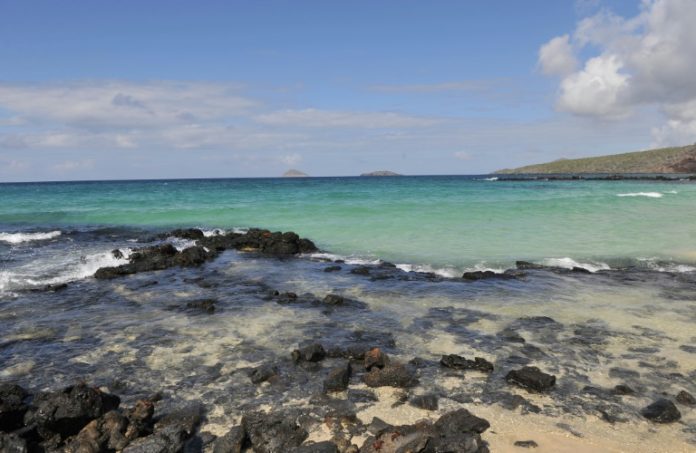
(556, 57)
(644, 61)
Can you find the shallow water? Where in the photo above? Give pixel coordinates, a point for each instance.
(635, 325)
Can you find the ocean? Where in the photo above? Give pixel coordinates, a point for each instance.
(615, 302)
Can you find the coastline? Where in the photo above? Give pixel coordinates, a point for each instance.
(275, 302)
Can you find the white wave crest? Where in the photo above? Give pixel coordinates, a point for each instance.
(347, 259)
(447, 272)
(18, 238)
(494, 178)
(641, 194)
(213, 232)
(569, 263)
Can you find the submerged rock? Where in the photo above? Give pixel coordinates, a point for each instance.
(332, 268)
(338, 379)
(232, 442)
(272, 433)
(204, 305)
(661, 411)
(312, 353)
(333, 299)
(531, 379)
(428, 402)
(263, 373)
(685, 398)
(458, 362)
(392, 375)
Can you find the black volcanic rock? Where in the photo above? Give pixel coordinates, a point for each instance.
(457, 362)
(531, 379)
(661, 411)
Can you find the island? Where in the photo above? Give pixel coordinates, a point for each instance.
(656, 161)
(292, 173)
(381, 173)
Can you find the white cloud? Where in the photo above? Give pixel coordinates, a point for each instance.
(556, 57)
(70, 166)
(645, 61)
(290, 160)
(315, 118)
(462, 155)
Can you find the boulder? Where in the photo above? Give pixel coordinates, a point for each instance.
(12, 407)
(531, 379)
(67, 411)
(661, 411)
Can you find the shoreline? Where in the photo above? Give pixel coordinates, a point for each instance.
(299, 304)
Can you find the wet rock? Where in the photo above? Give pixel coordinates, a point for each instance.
(272, 433)
(393, 375)
(393, 439)
(332, 268)
(623, 373)
(204, 305)
(688, 348)
(107, 433)
(458, 362)
(67, 411)
(117, 253)
(192, 256)
(232, 442)
(428, 402)
(486, 275)
(11, 443)
(263, 373)
(185, 419)
(311, 353)
(193, 234)
(338, 379)
(623, 389)
(333, 299)
(685, 398)
(661, 411)
(375, 357)
(12, 407)
(531, 379)
(377, 425)
(287, 297)
(360, 270)
(511, 336)
(526, 444)
(168, 440)
(319, 447)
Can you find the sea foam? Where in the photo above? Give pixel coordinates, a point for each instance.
(641, 194)
(18, 238)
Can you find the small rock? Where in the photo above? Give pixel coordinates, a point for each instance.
(686, 398)
(263, 373)
(622, 389)
(375, 358)
(232, 442)
(311, 353)
(460, 363)
(531, 379)
(333, 299)
(361, 270)
(526, 444)
(332, 268)
(428, 402)
(661, 411)
(393, 375)
(338, 379)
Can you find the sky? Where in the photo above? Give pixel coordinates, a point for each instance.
(182, 89)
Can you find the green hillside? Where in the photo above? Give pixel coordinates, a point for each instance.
(665, 160)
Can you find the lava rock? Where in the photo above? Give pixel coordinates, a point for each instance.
(272, 433)
(12, 407)
(232, 442)
(393, 375)
(333, 299)
(375, 357)
(661, 411)
(428, 402)
(531, 379)
(319, 447)
(311, 353)
(263, 373)
(460, 363)
(204, 305)
(11, 443)
(67, 411)
(360, 270)
(623, 389)
(168, 440)
(193, 234)
(685, 398)
(332, 268)
(486, 275)
(185, 419)
(338, 379)
(526, 444)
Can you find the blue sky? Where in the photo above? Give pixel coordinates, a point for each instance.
(157, 89)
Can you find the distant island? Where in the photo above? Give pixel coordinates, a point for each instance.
(381, 173)
(292, 173)
(664, 160)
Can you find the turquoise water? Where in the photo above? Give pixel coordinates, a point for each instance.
(440, 221)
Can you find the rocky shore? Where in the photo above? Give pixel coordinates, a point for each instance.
(345, 382)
